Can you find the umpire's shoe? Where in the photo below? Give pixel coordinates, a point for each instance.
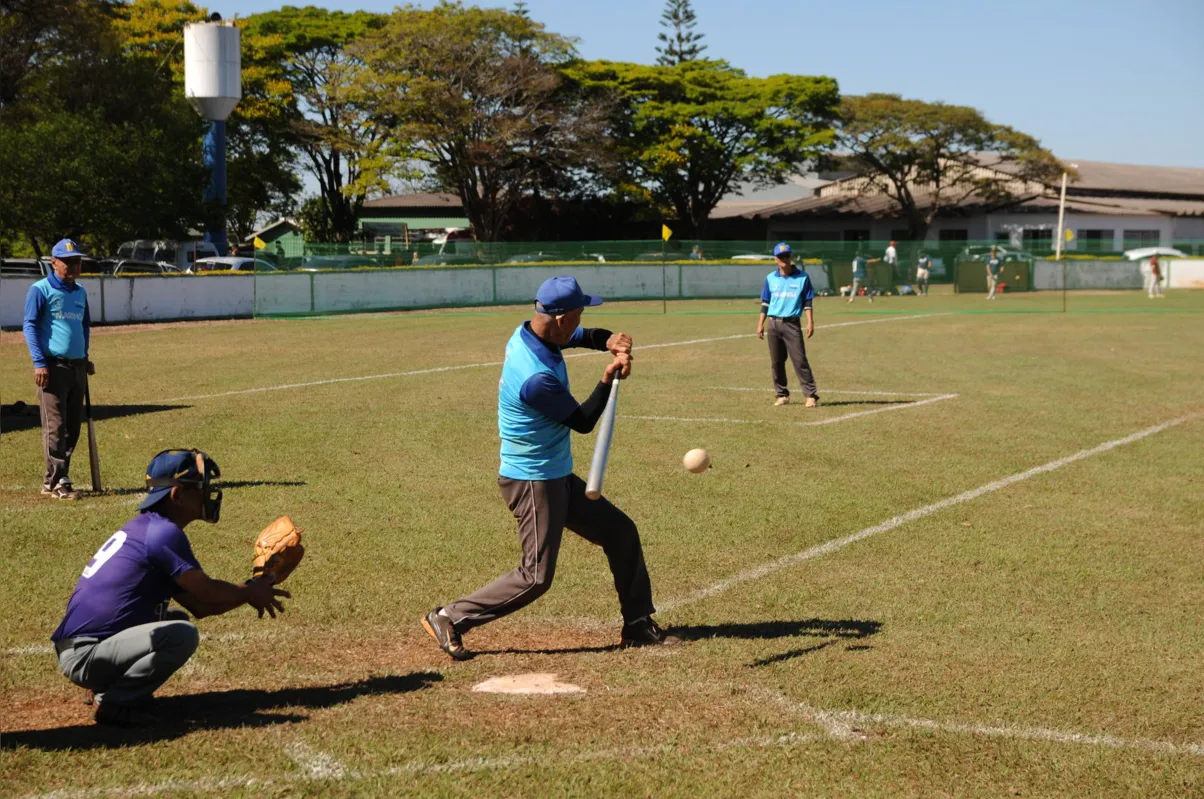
(645, 632)
(440, 628)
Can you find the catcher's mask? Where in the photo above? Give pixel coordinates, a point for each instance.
(185, 468)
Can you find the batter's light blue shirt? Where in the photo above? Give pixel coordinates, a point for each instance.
(787, 295)
(57, 323)
(533, 391)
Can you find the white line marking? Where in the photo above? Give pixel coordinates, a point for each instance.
(842, 391)
(317, 765)
(832, 420)
(853, 720)
(438, 369)
(765, 569)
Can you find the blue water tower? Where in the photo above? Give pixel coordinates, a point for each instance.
(213, 84)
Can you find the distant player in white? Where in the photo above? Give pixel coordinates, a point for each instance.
(994, 267)
(1154, 278)
(923, 264)
(892, 255)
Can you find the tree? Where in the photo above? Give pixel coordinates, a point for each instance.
(689, 134)
(337, 131)
(682, 43)
(476, 98)
(929, 157)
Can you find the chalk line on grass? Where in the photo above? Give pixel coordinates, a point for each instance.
(766, 569)
(483, 364)
(46, 649)
(815, 423)
(841, 391)
(315, 764)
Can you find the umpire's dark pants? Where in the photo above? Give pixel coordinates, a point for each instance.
(786, 337)
(543, 509)
(62, 402)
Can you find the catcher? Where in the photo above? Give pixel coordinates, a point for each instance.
(118, 639)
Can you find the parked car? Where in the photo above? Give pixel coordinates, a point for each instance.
(129, 266)
(983, 252)
(448, 259)
(549, 257)
(233, 264)
(23, 267)
(317, 263)
(753, 256)
(180, 254)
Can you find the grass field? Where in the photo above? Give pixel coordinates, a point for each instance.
(1041, 636)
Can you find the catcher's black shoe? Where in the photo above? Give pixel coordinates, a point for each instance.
(112, 715)
(440, 628)
(645, 632)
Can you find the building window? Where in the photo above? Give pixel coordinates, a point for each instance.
(1002, 237)
(818, 235)
(900, 235)
(853, 239)
(1142, 238)
(1095, 240)
(1036, 240)
(957, 234)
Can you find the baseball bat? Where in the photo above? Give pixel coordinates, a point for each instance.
(93, 453)
(597, 468)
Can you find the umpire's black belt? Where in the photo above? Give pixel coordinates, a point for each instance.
(70, 643)
(68, 361)
(786, 318)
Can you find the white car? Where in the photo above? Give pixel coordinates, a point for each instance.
(234, 263)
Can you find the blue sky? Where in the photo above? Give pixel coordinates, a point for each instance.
(1103, 80)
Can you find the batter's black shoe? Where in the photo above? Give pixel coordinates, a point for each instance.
(440, 628)
(645, 632)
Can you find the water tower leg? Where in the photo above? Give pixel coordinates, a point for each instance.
(214, 158)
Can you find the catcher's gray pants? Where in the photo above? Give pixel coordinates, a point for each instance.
(62, 402)
(786, 338)
(127, 668)
(543, 509)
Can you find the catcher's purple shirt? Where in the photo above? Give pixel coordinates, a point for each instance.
(128, 578)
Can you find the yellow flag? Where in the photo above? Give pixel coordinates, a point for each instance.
(665, 233)
(1068, 234)
(260, 244)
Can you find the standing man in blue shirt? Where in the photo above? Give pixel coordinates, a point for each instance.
(57, 327)
(860, 277)
(536, 414)
(118, 639)
(785, 297)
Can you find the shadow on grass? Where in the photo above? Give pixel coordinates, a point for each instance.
(223, 485)
(214, 710)
(22, 416)
(836, 631)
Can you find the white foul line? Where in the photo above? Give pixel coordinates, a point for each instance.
(842, 391)
(45, 649)
(832, 420)
(438, 369)
(847, 724)
(765, 569)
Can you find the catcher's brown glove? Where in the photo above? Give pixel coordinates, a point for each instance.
(278, 550)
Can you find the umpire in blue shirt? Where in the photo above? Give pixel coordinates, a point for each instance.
(536, 413)
(57, 327)
(786, 296)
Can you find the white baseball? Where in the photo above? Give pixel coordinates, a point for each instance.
(696, 460)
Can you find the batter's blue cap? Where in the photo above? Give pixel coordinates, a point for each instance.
(560, 295)
(66, 249)
(781, 248)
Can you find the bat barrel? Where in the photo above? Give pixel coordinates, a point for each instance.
(606, 429)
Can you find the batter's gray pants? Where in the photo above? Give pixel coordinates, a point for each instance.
(127, 668)
(62, 402)
(543, 509)
(786, 338)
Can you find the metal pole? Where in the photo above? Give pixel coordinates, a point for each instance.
(1058, 243)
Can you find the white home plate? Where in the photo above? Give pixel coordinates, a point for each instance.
(527, 684)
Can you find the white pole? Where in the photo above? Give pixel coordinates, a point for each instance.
(1061, 218)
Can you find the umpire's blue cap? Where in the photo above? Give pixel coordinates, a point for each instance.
(781, 248)
(66, 249)
(560, 295)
